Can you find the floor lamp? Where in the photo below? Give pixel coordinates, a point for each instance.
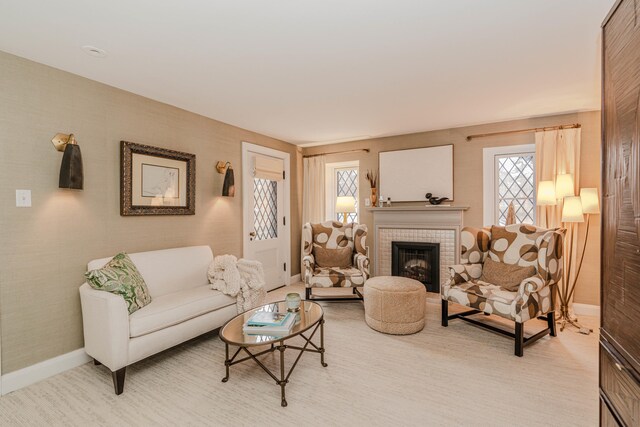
(574, 208)
(573, 211)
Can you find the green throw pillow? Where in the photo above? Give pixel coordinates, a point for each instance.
(121, 277)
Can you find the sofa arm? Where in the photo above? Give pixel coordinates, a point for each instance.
(461, 273)
(106, 327)
(532, 285)
(361, 262)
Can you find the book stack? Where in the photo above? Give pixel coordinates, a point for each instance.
(269, 323)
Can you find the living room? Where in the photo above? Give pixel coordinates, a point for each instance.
(234, 158)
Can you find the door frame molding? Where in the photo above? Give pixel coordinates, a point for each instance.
(246, 168)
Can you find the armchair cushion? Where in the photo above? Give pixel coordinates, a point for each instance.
(336, 277)
(338, 257)
(507, 276)
(121, 277)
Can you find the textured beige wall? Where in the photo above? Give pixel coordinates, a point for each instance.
(468, 172)
(44, 249)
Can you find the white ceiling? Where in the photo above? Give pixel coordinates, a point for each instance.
(327, 70)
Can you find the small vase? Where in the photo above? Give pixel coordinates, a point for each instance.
(293, 301)
(374, 197)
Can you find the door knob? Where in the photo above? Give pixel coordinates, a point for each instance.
(252, 234)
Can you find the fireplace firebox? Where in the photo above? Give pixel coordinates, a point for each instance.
(417, 260)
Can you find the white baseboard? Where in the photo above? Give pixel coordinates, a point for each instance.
(295, 279)
(586, 309)
(43, 370)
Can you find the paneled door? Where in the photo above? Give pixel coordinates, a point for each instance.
(266, 208)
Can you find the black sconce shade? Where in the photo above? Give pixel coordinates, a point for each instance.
(71, 175)
(228, 187)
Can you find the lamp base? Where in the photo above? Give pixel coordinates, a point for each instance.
(565, 319)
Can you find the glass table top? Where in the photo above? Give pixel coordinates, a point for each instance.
(310, 314)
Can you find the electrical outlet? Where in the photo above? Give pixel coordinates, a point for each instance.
(23, 198)
(367, 202)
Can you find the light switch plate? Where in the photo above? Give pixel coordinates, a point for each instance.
(367, 202)
(23, 198)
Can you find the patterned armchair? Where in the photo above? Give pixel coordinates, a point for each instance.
(334, 235)
(524, 245)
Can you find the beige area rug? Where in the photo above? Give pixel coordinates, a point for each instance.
(455, 376)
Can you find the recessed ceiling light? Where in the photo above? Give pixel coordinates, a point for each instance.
(95, 51)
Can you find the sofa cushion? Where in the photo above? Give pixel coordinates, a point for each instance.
(177, 307)
(507, 276)
(121, 277)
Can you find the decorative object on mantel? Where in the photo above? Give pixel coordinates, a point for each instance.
(71, 173)
(372, 177)
(228, 187)
(156, 181)
(435, 200)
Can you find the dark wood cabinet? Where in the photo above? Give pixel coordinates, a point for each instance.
(620, 292)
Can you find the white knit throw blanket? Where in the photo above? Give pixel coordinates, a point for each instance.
(242, 279)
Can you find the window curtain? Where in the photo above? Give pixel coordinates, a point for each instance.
(558, 152)
(313, 194)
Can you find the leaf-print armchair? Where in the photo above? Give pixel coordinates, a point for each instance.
(521, 244)
(333, 235)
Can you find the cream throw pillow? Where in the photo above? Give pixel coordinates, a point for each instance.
(506, 276)
(121, 277)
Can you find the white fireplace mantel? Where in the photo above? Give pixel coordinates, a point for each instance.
(434, 224)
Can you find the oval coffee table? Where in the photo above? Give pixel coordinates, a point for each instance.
(311, 318)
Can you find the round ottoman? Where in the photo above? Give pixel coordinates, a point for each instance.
(394, 305)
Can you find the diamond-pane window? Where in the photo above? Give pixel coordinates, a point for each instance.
(265, 210)
(516, 184)
(347, 185)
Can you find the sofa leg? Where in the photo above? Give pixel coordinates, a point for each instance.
(307, 293)
(445, 312)
(519, 339)
(551, 322)
(96, 363)
(118, 380)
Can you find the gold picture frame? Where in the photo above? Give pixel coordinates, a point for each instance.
(156, 181)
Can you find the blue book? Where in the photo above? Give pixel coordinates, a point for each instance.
(268, 318)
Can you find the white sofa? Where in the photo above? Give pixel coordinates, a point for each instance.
(183, 306)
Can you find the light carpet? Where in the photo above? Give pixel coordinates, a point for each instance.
(455, 376)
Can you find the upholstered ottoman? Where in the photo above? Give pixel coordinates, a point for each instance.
(394, 305)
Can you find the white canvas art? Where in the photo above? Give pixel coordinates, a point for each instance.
(408, 175)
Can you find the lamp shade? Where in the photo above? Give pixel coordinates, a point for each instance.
(546, 194)
(228, 187)
(590, 200)
(71, 174)
(572, 209)
(345, 204)
(564, 186)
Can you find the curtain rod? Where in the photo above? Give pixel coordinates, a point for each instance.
(366, 150)
(507, 132)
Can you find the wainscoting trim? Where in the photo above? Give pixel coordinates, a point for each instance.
(40, 371)
(586, 309)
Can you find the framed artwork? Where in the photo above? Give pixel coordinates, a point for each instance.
(156, 181)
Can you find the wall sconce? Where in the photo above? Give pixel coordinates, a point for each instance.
(71, 174)
(228, 187)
